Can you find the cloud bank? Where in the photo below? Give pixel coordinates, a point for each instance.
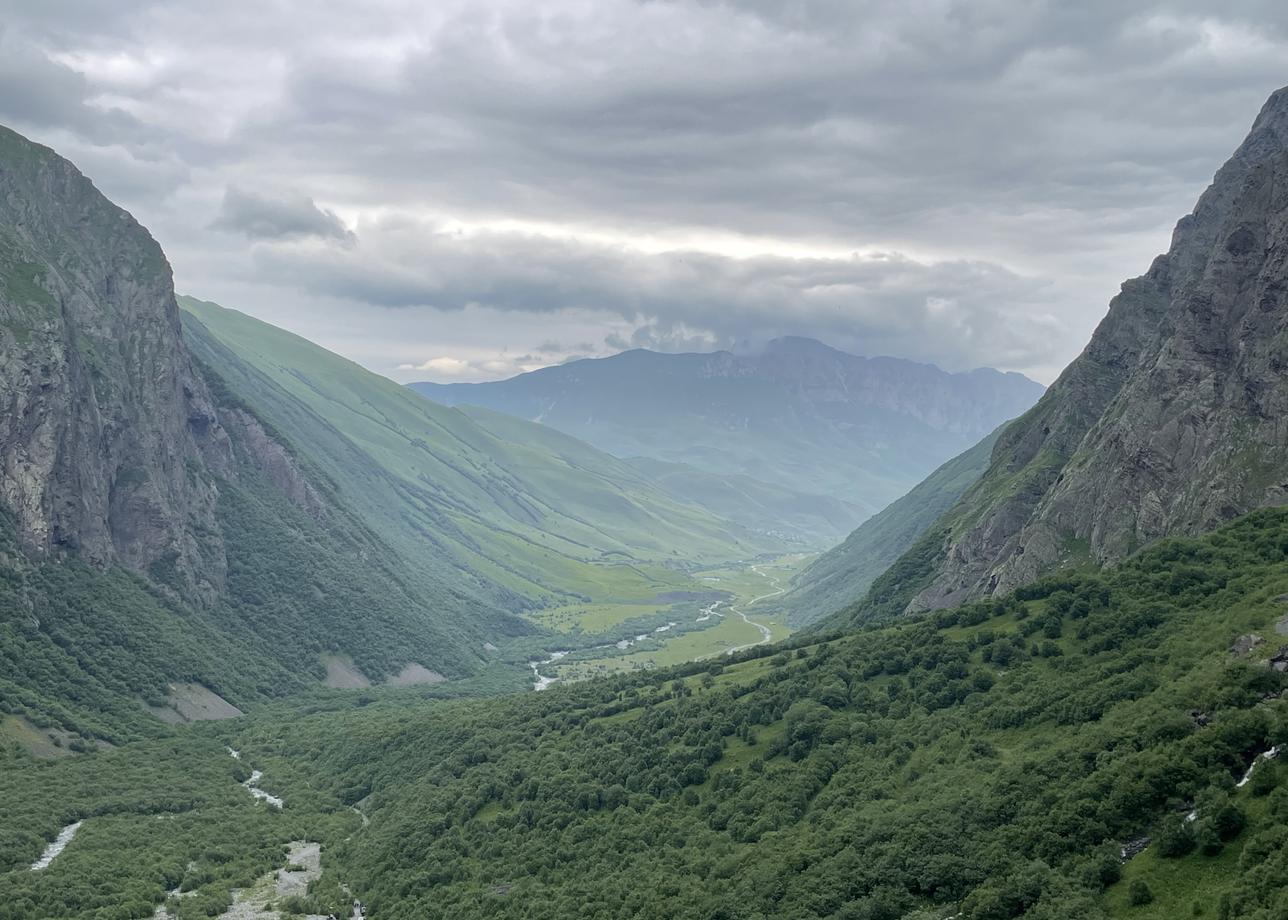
(454, 188)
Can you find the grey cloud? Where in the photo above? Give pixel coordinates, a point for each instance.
(960, 313)
(36, 91)
(1027, 156)
(287, 215)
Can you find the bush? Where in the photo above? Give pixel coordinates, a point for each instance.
(1176, 839)
(1138, 893)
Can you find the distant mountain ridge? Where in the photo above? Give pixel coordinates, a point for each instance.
(799, 415)
(1170, 422)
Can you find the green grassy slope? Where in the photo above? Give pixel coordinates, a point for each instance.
(779, 514)
(842, 576)
(814, 521)
(535, 519)
(985, 763)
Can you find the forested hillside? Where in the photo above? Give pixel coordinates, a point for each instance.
(987, 763)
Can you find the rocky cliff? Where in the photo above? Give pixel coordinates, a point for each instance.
(1172, 420)
(106, 430)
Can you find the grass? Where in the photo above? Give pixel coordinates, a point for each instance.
(594, 618)
(712, 638)
(526, 514)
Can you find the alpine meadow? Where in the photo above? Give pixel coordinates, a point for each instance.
(643, 461)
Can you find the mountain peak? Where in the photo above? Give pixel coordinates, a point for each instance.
(1166, 424)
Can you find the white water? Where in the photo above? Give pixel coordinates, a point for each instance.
(252, 784)
(709, 612)
(60, 843)
(1267, 755)
(1270, 754)
(540, 682)
(255, 777)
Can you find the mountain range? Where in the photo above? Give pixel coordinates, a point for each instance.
(204, 511)
(798, 415)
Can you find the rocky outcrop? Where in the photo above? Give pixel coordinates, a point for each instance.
(105, 426)
(111, 443)
(273, 461)
(1172, 420)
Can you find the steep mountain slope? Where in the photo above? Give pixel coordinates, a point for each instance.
(157, 540)
(800, 416)
(813, 521)
(843, 574)
(102, 409)
(522, 514)
(1170, 422)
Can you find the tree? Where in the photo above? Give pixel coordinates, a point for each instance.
(1138, 893)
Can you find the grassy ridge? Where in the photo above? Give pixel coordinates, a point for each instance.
(537, 517)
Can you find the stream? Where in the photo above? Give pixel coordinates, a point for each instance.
(766, 634)
(60, 843)
(1267, 755)
(252, 784)
(540, 682)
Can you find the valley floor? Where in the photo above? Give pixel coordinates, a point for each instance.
(675, 628)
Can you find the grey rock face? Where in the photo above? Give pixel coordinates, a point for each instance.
(106, 430)
(1172, 421)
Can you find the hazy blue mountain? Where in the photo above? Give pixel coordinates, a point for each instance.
(799, 415)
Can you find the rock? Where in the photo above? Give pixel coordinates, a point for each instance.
(112, 442)
(1133, 848)
(1199, 717)
(1153, 429)
(104, 413)
(1245, 644)
(1279, 660)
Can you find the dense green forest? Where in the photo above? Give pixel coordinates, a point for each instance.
(987, 761)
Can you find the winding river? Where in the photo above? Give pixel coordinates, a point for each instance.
(540, 681)
(766, 634)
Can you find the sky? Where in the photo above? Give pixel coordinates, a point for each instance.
(460, 191)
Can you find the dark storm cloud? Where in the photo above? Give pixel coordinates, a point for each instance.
(286, 215)
(692, 173)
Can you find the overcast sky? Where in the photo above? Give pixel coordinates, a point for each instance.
(461, 191)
